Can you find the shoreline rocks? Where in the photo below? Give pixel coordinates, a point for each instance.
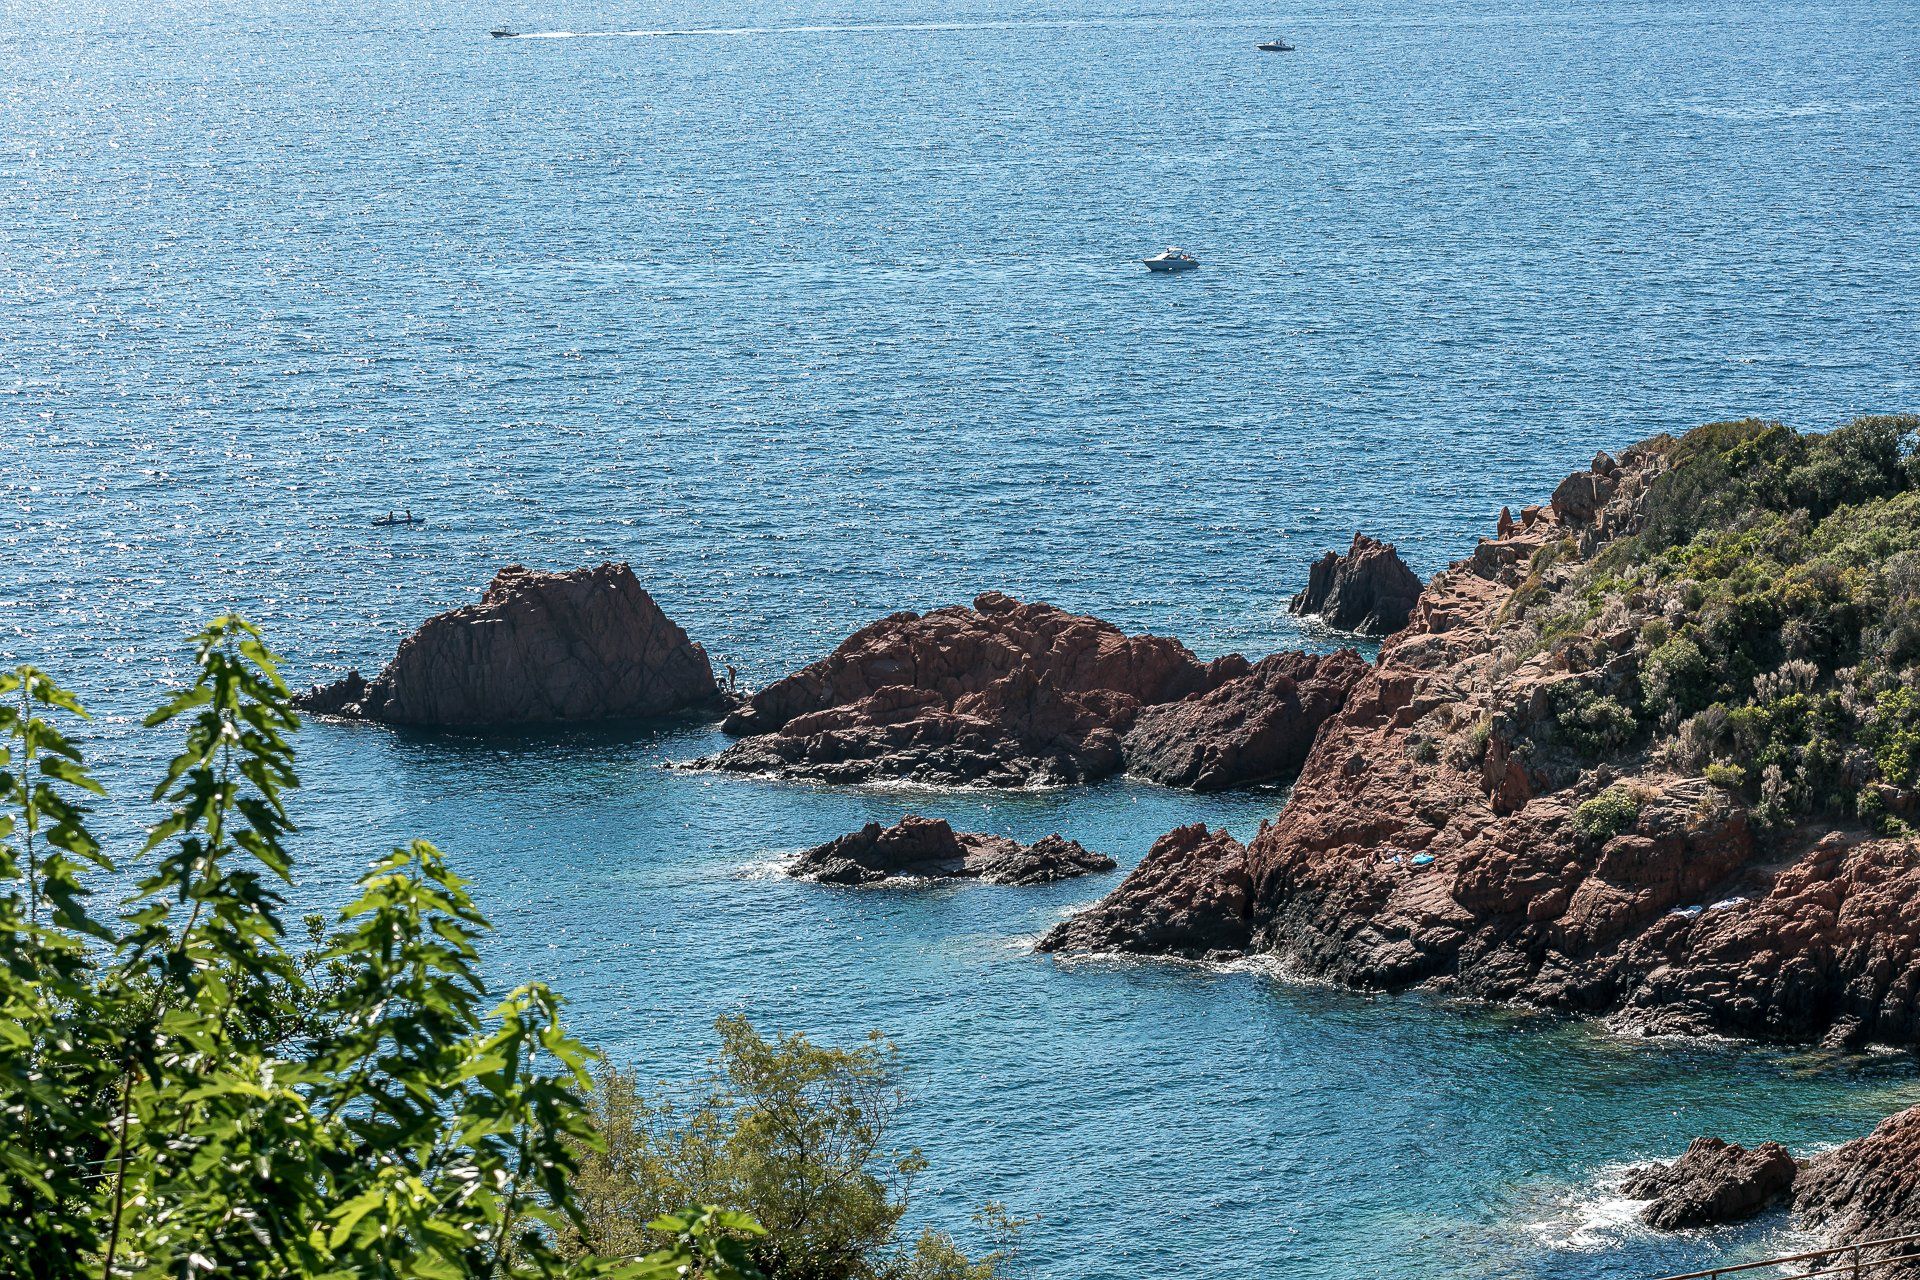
(538, 648)
(1465, 822)
(1366, 589)
(1714, 1182)
(1191, 896)
(930, 849)
(1253, 728)
(1864, 1190)
(1002, 694)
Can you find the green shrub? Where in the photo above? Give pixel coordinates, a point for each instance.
(1590, 722)
(796, 1134)
(1677, 680)
(1730, 776)
(1894, 735)
(186, 1096)
(1606, 815)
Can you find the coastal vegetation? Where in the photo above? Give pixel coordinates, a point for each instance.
(190, 1090)
(1772, 589)
(799, 1136)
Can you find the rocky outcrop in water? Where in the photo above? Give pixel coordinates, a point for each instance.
(1000, 694)
(1714, 1182)
(1368, 589)
(1507, 805)
(1192, 896)
(1254, 728)
(538, 647)
(1863, 1191)
(929, 848)
(1868, 1189)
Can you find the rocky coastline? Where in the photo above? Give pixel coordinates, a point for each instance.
(1008, 693)
(1650, 753)
(1461, 824)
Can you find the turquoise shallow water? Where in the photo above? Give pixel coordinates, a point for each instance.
(836, 310)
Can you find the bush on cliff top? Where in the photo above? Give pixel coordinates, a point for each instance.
(1775, 584)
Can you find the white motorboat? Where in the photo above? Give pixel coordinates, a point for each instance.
(1172, 259)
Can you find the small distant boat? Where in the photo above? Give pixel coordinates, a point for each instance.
(503, 33)
(1269, 46)
(1172, 259)
(405, 517)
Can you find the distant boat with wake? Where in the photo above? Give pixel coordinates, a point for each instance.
(1172, 259)
(503, 33)
(1271, 46)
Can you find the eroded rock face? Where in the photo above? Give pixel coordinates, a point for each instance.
(1190, 896)
(929, 848)
(1001, 694)
(538, 647)
(1254, 728)
(1713, 1183)
(1868, 1189)
(1368, 589)
(1431, 837)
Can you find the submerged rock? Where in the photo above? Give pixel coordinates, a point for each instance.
(1000, 694)
(1714, 1182)
(1368, 589)
(538, 647)
(929, 848)
(1253, 728)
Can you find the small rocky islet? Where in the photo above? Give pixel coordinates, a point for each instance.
(917, 848)
(1649, 754)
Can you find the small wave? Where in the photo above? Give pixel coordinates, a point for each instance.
(773, 867)
(1592, 1217)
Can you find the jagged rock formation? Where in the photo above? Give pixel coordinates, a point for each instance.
(1587, 775)
(538, 647)
(1368, 589)
(1001, 694)
(1191, 896)
(1865, 1190)
(1714, 1182)
(928, 848)
(1254, 728)
(1868, 1189)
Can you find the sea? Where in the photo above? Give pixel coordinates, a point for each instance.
(813, 310)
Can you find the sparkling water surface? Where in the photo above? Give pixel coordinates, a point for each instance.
(814, 311)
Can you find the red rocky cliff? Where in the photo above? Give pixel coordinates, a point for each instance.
(1432, 839)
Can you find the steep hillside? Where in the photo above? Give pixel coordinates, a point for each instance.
(1650, 752)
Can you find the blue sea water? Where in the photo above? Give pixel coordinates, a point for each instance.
(813, 311)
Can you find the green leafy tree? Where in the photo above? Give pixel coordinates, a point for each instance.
(794, 1133)
(185, 1096)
